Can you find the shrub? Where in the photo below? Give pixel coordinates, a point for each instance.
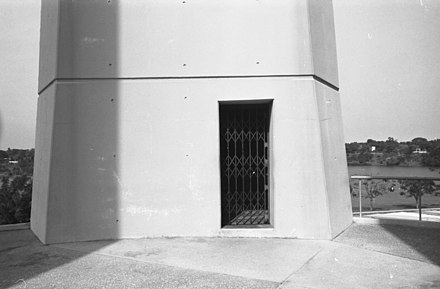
(15, 199)
(433, 158)
(364, 158)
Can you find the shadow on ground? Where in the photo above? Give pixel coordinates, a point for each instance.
(416, 243)
(426, 241)
(26, 263)
(22, 257)
(364, 256)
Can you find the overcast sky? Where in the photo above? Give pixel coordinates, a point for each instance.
(19, 40)
(389, 69)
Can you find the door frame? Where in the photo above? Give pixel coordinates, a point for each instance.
(271, 198)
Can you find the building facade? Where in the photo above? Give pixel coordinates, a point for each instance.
(188, 118)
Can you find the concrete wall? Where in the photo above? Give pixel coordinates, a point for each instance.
(334, 158)
(101, 39)
(48, 43)
(322, 41)
(42, 158)
(128, 126)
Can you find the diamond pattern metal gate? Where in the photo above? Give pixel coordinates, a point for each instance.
(244, 140)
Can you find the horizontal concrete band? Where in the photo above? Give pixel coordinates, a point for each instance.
(14, 227)
(307, 76)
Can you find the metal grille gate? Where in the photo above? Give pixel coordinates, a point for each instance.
(244, 132)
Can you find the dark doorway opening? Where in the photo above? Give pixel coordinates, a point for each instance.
(244, 157)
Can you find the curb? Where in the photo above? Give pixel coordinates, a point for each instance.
(397, 222)
(15, 227)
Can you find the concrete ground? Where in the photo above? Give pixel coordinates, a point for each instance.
(364, 256)
(427, 215)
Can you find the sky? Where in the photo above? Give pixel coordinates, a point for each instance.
(19, 41)
(388, 57)
(389, 68)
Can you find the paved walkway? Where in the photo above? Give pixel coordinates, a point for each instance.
(427, 215)
(364, 256)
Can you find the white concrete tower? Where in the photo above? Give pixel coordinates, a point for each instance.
(188, 118)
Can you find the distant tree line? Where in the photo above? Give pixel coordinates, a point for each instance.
(17, 161)
(417, 152)
(16, 170)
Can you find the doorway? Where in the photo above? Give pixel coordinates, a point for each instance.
(244, 157)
